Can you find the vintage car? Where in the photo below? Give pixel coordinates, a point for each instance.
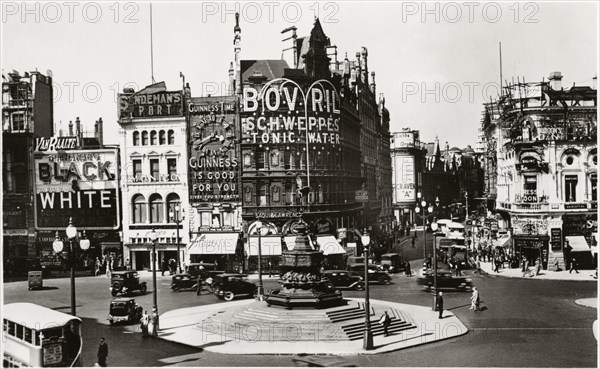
(445, 280)
(190, 277)
(342, 279)
(391, 263)
(124, 309)
(227, 286)
(375, 275)
(125, 282)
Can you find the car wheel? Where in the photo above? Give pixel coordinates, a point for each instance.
(359, 287)
(111, 322)
(228, 295)
(143, 288)
(330, 286)
(175, 288)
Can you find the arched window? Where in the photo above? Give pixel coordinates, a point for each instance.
(156, 208)
(173, 202)
(138, 204)
(162, 138)
(153, 138)
(171, 135)
(136, 138)
(144, 138)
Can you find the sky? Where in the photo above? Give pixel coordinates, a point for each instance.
(435, 62)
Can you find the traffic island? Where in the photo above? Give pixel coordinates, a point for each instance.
(250, 327)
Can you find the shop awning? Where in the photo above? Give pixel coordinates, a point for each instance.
(213, 244)
(504, 241)
(290, 242)
(578, 243)
(330, 245)
(269, 246)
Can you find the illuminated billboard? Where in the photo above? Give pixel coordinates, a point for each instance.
(404, 179)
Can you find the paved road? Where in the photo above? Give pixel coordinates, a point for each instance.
(526, 323)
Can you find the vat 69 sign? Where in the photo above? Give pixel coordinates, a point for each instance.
(282, 112)
(213, 163)
(81, 184)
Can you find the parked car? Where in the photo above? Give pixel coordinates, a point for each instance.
(125, 282)
(124, 309)
(391, 263)
(228, 286)
(375, 275)
(342, 279)
(190, 277)
(445, 280)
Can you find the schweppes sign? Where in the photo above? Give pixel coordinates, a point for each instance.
(52, 144)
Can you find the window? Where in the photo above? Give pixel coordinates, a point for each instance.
(139, 209)
(136, 138)
(228, 219)
(137, 169)
(274, 159)
(216, 219)
(247, 160)
(172, 169)
(594, 186)
(153, 138)
(173, 201)
(262, 195)
(144, 138)
(260, 158)
(18, 122)
(171, 137)
(205, 218)
(156, 208)
(154, 172)
(571, 188)
(287, 160)
(162, 138)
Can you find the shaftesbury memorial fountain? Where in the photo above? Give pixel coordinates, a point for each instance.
(301, 281)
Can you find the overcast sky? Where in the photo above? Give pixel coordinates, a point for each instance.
(435, 62)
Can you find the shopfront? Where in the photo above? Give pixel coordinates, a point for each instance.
(220, 248)
(531, 238)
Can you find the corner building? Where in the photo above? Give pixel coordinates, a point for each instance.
(301, 144)
(154, 175)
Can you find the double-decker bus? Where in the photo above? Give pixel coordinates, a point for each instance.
(37, 336)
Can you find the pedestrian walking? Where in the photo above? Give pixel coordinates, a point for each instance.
(439, 304)
(98, 265)
(415, 233)
(523, 264)
(413, 242)
(573, 266)
(144, 323)
(270, 268)
(153, 327)
(102, 352)
(538, 266)
(478, 270)
(407, 270)
(385, 322)
(475, 300)
(163, 266)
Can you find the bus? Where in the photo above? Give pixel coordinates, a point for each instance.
(36, 336)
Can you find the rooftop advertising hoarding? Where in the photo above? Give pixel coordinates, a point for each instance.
(214, 161)
(78, 184)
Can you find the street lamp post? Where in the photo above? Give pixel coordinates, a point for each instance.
(423, 217)
(58, 246)
(154, 239)
(368, 335)
(434, 227)
(260, 289)
(175, 217)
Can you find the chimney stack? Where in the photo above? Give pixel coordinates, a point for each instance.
(100, 136)
(78, 127)
(365, 69)
(555, 81)
(372, 85)
(71, 128)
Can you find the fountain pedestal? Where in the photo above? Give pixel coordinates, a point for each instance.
(301, 282)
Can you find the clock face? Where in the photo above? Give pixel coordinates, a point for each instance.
(214, 135)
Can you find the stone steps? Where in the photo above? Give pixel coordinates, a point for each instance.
(355, 331)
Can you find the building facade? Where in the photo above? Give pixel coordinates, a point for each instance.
(154, 173)
(547, 169)
(27, 112)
